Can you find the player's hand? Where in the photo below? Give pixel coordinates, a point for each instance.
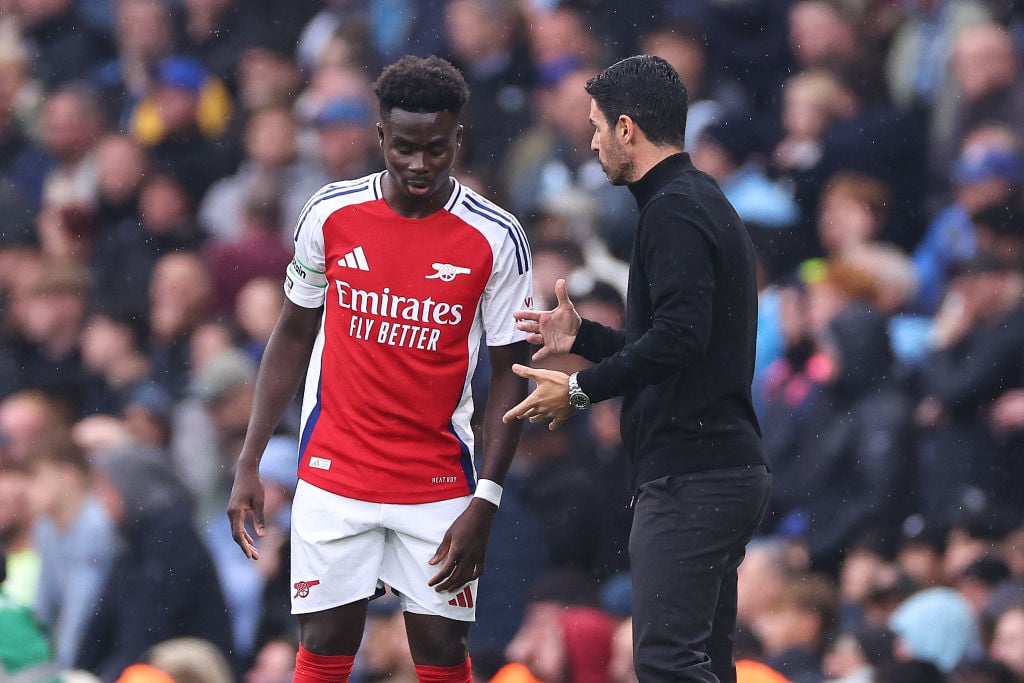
(549, 401)
(246, 497)
(461, 553)
(555, 330)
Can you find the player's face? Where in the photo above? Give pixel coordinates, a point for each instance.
(419, 152)
(610, 153)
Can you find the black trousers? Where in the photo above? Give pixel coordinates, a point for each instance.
(689, 535)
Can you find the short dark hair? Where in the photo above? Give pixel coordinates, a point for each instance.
(57, 447)
(648, 90)
(423, 85)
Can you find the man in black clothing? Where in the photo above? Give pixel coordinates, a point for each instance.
(683, 364)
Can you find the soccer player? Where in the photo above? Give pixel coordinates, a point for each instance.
(396, 278)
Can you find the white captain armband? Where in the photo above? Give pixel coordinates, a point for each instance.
(489, 491)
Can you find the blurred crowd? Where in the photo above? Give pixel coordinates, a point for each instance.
(154, 155)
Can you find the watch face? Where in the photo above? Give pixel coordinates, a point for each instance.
(579, 401)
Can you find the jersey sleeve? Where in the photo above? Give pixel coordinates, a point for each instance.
(509, 289)
(305, 281)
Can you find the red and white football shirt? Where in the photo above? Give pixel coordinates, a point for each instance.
(387, 403)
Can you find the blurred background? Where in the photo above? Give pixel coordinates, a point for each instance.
(155, 154)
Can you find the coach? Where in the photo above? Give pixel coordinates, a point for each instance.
(683, 364)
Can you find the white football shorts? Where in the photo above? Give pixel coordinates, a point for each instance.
(344, 550)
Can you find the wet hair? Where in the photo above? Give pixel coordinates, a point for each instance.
(421, 85)
(648, 90)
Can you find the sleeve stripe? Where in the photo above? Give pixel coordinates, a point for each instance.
(329, 192)
(513, 229)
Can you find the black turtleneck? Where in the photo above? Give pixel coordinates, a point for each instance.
(685, 361)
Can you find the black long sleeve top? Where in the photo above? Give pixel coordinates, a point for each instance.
(685, 360)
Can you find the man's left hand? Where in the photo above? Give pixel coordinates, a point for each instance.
(461, 553)
(549, 401)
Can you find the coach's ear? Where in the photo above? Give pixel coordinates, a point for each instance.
(625, 129)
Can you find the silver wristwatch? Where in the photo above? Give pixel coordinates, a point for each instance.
(577, 399)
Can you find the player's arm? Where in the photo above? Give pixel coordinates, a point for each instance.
(281, 371)
(461, 554)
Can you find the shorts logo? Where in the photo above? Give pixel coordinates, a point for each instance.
(447, 272)
(302, 587)
(463, 599)
(320, 463)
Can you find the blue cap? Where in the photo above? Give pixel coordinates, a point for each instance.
(343, 110)
(988, 164)
(153, 398)
(182, 73)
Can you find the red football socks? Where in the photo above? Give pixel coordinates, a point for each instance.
(313, 668)
(460, 673)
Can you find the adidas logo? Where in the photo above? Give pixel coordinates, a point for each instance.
(463, 599)
(354, 259)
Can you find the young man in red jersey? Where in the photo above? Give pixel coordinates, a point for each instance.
(397, 277)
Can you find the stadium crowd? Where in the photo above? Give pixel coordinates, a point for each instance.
(154, 157)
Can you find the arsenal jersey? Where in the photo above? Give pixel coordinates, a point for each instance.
(387, 402)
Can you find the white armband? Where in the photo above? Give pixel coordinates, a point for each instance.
(489, 491)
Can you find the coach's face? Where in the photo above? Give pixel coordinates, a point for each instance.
(611, 152)
(419, 152)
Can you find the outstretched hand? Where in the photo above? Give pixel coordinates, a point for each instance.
(549, 401)
(555, 330)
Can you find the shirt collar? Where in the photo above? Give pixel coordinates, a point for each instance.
(656, 178)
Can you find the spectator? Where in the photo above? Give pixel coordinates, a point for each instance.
(794, 633)
(274, 663)
(256, 310)
(486, 42)
(75, 538)
(50, 319)
(144, 33)
(121, 168)
(153, 515)
(1008, 641)
(112, 353)
(21, 559)
(272, 166)
(256, 251)
(986, 173)
(191, 659)
(267, 78)
(182, 120)
(63, 46)
(681, 45)
(24, 650)
(215, 32)
(560, 638)
(179, 295)
(991, 89)
(855, 655)
(730, 151)
(71, 126)
(343, 137)
(980, 318)
(935, 625)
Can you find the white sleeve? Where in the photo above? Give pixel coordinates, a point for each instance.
(509, 289)
(305, 281)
